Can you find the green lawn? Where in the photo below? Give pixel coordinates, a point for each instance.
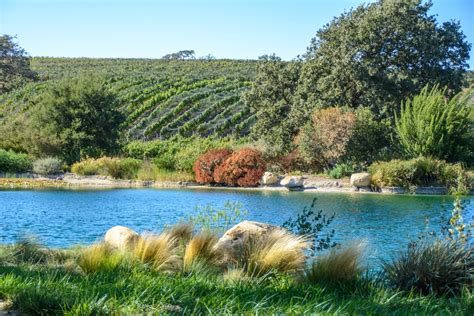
(46, 289)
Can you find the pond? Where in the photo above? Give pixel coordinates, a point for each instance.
(61, 218)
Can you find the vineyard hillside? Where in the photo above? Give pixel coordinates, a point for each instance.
(159, 98)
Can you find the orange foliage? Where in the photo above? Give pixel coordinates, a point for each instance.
(205, 165)
(243, 168)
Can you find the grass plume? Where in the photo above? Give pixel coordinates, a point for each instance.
(343, 265)
(160, 251)
(278, 251)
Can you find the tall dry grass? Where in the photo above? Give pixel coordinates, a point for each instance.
(100, 257)
(182, 232)
(161, 252)
(342, 265)
(201, 252)
(278, 251)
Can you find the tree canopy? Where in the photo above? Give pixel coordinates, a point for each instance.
(373, 56)
(74, 119)
(379, 54)
(14, 64)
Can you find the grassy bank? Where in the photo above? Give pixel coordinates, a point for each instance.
(55, 290)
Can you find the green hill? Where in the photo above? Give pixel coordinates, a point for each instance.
(160, 98)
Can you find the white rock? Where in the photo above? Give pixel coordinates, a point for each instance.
(121, 237)
(269, 178)
(292, 181)
(231, 244)
(362, 179)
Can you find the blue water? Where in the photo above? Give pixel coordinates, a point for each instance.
(61, 218)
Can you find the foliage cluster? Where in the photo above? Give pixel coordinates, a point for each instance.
(11, 161)
(47, 166)
(371, 57)
(118, 168)
(431, 125)
(14, 65)
(341, 135)
(420, 171)
(206, 164)
(244, 167)
(178, 153)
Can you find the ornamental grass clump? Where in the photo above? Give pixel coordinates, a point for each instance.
(343, 265)
(440, 268)
(160, 252)
(200, 252)
(99, 258)
(278, 251)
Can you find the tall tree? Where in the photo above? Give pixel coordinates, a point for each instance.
(74, 119)
(379, 54)
(14, 64)
(271, 98)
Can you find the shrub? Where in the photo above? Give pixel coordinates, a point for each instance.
(206, 164)
(292, 162)
(11, 161)
(177, 153)
(343, 265)
(323, 142)
(370, 140)
(442, 268)
(244, 167)
(341, 170)
(87, 167)
(126, 168)
(114, 167)
(47, 166)
(431, 125)
(420, 171)
(310, 224)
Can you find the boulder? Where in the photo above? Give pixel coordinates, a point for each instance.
(269, 178)
(292, 182)
(231, 244)
(121, 237)
(360, 180)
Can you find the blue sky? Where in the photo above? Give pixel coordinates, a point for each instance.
(150, 29)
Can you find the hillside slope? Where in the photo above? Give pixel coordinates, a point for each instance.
(160, 98)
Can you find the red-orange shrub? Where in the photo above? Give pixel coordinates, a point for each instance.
(244, 168)
(205, 165)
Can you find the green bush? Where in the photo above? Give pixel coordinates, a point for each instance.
(11, 161)
(442, 268)
(341, 170)
(117, 168)
(370, 139)
(47, 166)
(177, 153)
(420, 171)
(431, 125)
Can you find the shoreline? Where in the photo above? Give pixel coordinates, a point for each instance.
(312, 185)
